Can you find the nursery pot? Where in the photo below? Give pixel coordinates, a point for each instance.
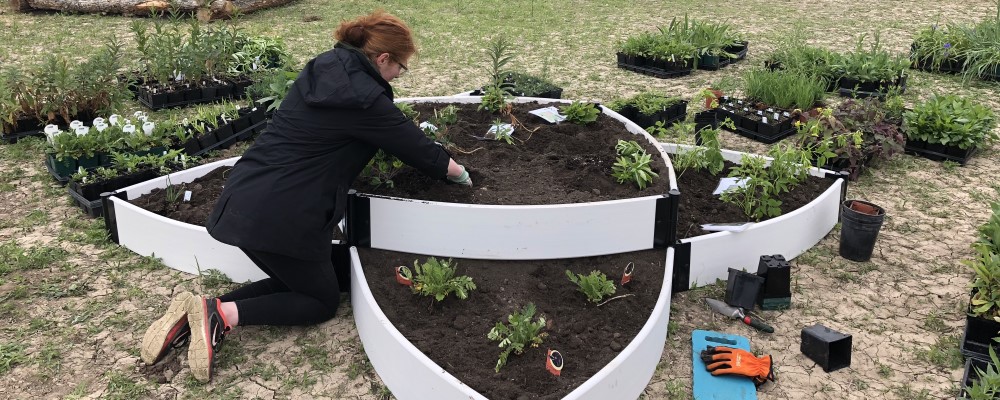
(860, 223)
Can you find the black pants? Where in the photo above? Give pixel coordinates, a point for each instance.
(298, 292)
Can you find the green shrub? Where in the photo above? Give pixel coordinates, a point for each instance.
(580, 113)
(595, 286)
(437, 278)
(521, 333)
(950, 120)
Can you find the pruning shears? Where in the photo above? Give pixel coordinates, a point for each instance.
(737, 313)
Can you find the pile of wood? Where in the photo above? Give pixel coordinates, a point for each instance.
(204, 9)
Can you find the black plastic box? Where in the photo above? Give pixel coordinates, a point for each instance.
(827, 347)
(777, 291)
(742, 289)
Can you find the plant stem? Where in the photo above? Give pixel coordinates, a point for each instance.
(613, 298)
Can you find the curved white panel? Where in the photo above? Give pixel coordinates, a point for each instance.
(410, 374)
(181, 246)
(513, 232)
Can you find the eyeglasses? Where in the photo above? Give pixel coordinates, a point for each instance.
(402, 68)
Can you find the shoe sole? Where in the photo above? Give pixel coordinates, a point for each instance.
(156, 340)
(200, 350)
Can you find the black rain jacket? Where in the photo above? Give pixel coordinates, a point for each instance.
(289, 189)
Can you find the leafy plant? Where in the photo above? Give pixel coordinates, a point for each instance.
(523, 84)
(872, 64)
(495, 99)
(935, 45)
(989, 233)
(707, 156)
(633, 166)
(437, 278)
(272, 85)
(950, 120)
(408, 111)
(580, 112)
(647, 103)
(595, 286)
(987, 387)
(986, 284)
(382, 168)
(502, 131)
(763, 183)
(519, 334)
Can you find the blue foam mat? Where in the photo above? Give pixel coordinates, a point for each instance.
(725, 387)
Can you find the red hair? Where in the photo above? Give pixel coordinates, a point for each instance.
(377, 33)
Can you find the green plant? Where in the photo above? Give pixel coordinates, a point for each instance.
(500, 52)
(986, 284)
(502, 131)
(495, 99)
(950, 120)
(437, 278)
(272, 85)
(174, 193)
(707, 156)
(987, 387)
(647, 103)
(632, 165)
(935, 45)
(982, 54)
(989, 232)
(763, 183)
(381, 169)
(408, 111)
(872, 64)
(519, 334)
(522, 84)
(595, 286)
(580, 112)
(785, 89)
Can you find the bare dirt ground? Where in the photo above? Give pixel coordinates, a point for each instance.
(73, 307)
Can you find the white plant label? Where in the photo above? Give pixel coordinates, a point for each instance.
(787, 114)
(727, 227)
(763, 119)
(499, 131)
(187, 195)
(550, 114)
(729, 183)
(776, 117)
(427, 126)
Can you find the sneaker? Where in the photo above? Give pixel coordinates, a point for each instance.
(171, 331)
(208, 327)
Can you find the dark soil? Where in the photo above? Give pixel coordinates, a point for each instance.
(453, 332)
(699, 206)
(204, 193)
(555, 164)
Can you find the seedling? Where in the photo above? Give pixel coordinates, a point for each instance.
(633, 164)
(521, 332)
(437, 278)
(595, 286)
(501, 131)
(495, 99)
(580, 113)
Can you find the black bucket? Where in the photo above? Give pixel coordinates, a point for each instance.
(859, 230)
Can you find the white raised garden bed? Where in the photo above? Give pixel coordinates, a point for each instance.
(410, 374)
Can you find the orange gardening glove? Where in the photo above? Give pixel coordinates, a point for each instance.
(729, 361)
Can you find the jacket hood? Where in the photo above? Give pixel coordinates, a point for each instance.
(342, 78)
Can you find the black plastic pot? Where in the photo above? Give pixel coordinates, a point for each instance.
(742, 289)
(827, 347)
(858, 230)
(777, 274)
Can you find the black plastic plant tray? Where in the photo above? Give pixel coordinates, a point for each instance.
(970, 377)
(93, 209)
(236, 137)
(160, 106)
(763, 138)
(656, 72)
(939, 156)
(862, 94)
(14, 137)
(52, 171)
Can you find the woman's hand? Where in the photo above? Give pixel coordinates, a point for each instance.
(458, 174)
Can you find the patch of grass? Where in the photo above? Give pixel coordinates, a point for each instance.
(50, 358)
(264, 371)
(15, 258)
(11, 355)
(60, 290)
(884, 371)
(904, 391)
(676, 390)
(359, 366)
(212, 279)
(934, 323)
(944, 353)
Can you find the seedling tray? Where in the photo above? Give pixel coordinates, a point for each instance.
(244, 134)
(723, 62)
(845, 88)
(11, 138)
(657, 72)
(184, 97)
(939, 152)
(978, 337)
(93, 208)
(970, 377)
(763, 138)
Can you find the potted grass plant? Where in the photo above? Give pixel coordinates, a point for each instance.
(871, 71)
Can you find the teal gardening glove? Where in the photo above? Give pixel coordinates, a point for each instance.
(462, 179)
